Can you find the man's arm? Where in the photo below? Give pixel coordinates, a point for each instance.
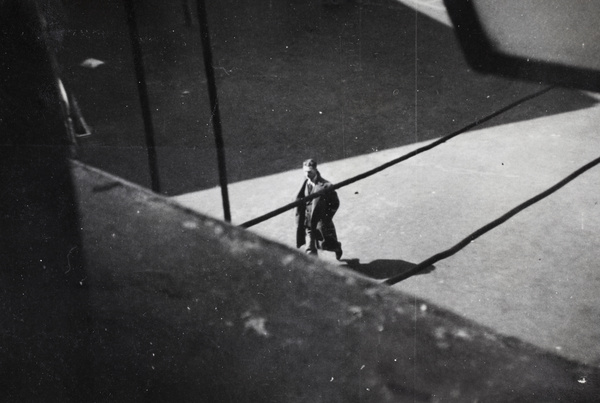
(332, 203)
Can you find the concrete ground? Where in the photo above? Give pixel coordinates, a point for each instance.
(354, 87)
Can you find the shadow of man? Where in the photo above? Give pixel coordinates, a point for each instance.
(384, 268)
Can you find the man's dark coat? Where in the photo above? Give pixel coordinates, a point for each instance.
(324, 208)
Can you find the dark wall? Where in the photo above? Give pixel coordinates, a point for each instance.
(42, 303)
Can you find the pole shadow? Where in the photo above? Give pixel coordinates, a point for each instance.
(381, 269)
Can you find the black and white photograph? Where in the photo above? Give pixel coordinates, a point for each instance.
(299, 201)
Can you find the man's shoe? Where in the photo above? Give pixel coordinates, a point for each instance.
(338, 254)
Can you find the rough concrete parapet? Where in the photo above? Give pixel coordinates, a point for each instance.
(188, 308)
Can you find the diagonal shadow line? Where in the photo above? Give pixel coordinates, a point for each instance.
(395, 161)
(183, 154)
(383, 268)
(491, 225)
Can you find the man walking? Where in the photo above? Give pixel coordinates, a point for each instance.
(314, 219)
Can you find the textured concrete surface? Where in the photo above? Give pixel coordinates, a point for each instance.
(187, 308)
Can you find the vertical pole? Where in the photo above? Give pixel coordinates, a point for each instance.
(143, 91)
(214, 105)
(44, 299)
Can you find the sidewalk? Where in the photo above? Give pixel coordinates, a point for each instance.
(354, 87)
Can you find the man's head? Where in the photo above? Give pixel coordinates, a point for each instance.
(310, 169)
